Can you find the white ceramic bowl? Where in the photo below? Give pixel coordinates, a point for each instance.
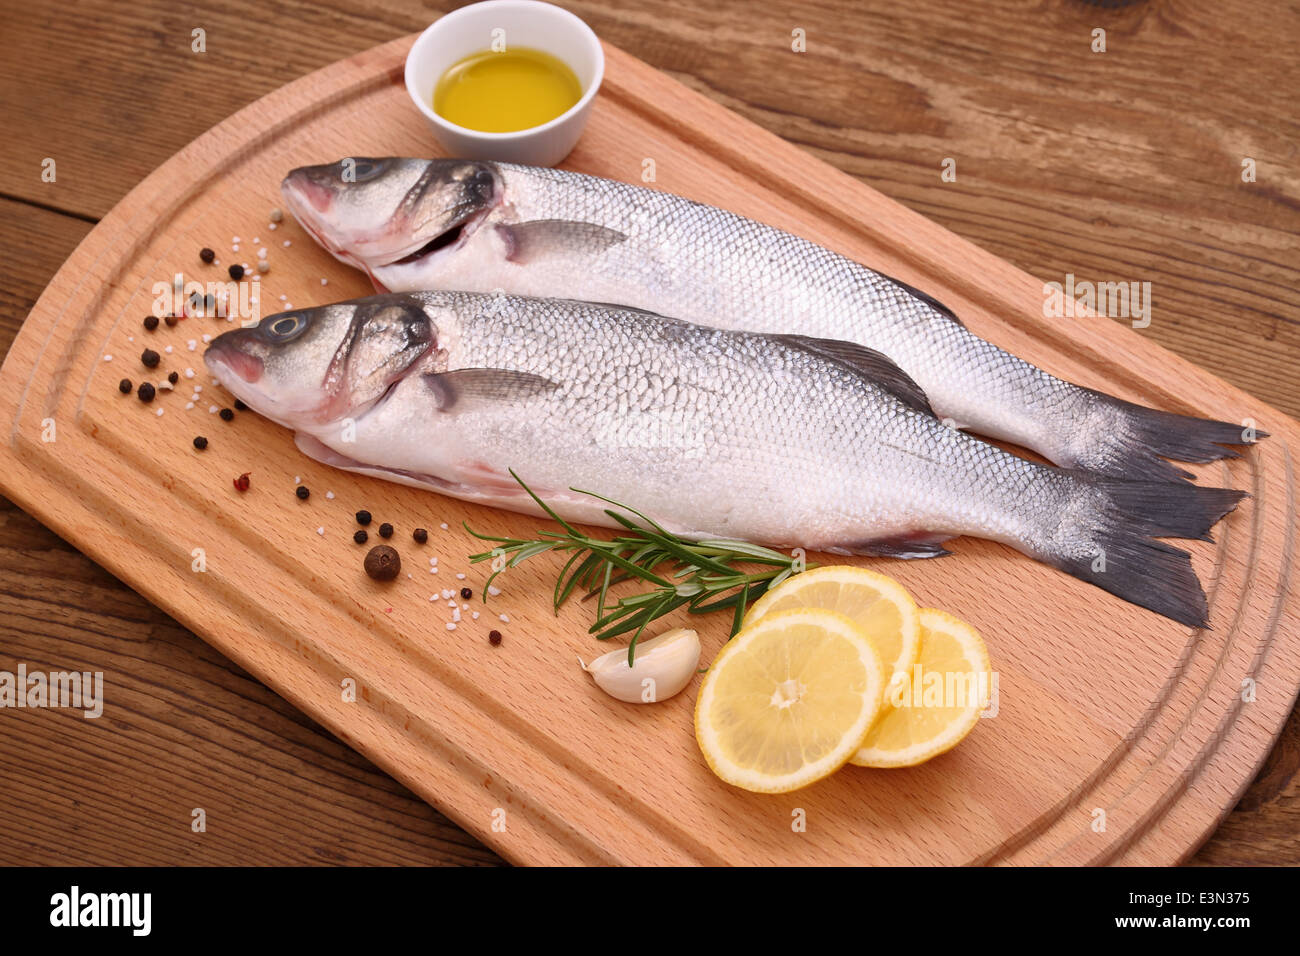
(527, 23)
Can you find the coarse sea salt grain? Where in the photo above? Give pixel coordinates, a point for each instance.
(206, 338)
(108, 358)
(329, 495)
(192, 344)
(234, 238)
(493, 590)
(272, 226)
(503, 618)
(324, 281)
(198, 388)
(455, 615)
(460, 577)
(443, 526)
(451, 625)
(447, 593)
(474, 615)
(160, 411)
(433, 570)
(168, 350)
(321, 531)
(452, 605)
(189, 373)
(261, 253)
(287, 243)
(297, 479)
(235, 247)
(212, 409)
(188, 406)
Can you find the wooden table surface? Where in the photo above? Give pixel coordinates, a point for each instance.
(1123, 165)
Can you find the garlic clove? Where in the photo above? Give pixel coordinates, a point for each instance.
(664, 665)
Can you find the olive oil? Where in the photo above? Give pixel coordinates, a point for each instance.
(504, 92)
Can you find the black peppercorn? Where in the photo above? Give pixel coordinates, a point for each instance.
(466, 593)
(385, 530)
(494, 638)
(363, 517)
(360, 537)
(124, 386)
(200, 443)
(226, 414)
(150, 358)
(420, 535)
(383, 563)
(145, 392)
(151, 322)
(302, 492)
(236, 272)
(171, 321)
(240, 406)
(173, 377)
(207, 255)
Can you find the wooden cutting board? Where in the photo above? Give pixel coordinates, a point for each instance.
(1119, 737)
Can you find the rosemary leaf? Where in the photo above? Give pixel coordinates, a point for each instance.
(704, 576)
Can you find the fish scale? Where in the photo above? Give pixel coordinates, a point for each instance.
(554, 233)
(775, 439)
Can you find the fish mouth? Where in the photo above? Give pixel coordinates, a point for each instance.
(247, 368)
(308, 201)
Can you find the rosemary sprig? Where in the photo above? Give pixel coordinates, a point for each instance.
(701, 575)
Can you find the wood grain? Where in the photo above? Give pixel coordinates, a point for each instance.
(183, 728)
(884, 92)
(1151, 729)
(191, 728)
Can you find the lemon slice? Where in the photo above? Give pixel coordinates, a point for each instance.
(788, 700)
(880, 605)
(940, 705)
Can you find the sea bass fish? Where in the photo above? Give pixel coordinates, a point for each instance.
(774, 439)
(417, 224)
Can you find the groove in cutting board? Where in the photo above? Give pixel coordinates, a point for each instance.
(1101, 705)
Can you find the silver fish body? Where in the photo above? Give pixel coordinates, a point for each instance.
(474, 226)
(781, 440)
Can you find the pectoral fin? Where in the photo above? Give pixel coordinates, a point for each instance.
(532, 241)
(466, 387)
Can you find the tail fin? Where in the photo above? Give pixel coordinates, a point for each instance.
(1134, 440)
(1115, 547)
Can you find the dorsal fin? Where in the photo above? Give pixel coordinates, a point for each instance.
(873, 367)
(928, 299)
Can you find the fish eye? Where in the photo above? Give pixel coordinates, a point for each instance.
(285, 327)
(363, 169)
(481, 182)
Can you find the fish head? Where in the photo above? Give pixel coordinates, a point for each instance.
(311, 367)
(372, 213)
